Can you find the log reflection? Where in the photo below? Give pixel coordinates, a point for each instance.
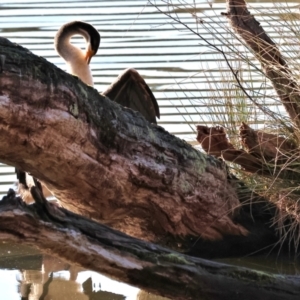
(43, 277)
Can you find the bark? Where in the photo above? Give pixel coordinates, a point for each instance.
(105, 161)
(268, 54)
(156, 269)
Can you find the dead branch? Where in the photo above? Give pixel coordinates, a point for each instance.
(267, 146)
(265, 154)
(151, 267)
(268, 54)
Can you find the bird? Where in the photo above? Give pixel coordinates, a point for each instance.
(129, 89)
(77, 61)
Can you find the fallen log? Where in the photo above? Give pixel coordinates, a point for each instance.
(83, 146)
(158, 270)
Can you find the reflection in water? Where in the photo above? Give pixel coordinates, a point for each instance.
(43, 277)
(94, 295)
(44, 284)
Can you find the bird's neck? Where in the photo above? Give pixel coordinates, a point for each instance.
(75, 60)
(76, 65)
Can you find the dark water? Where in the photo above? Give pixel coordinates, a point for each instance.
(273, 263)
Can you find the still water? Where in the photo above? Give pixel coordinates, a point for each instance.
(27, 274)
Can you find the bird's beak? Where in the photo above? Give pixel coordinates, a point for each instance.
(88, 56)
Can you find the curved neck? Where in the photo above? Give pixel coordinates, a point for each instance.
(74, 56)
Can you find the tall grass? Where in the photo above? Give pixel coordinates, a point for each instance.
(235, 90)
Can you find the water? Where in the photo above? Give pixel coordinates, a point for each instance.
(272, 263)
(26, 272)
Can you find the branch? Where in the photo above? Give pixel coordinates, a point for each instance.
(267, 154)
(266, 51)
(148, 266)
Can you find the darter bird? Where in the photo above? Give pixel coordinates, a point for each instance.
(129, 89)
(78, 61)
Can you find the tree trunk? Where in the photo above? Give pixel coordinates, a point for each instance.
(141, 179)
(59, 232)
(106, 162)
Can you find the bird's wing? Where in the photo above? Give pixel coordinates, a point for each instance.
(131, 90)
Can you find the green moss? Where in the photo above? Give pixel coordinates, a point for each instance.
(256, 276)
(176, 258)
(82, 90)
(185, 186)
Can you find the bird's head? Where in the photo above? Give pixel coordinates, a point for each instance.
(89, 32)
(92, 48)
(92, 37)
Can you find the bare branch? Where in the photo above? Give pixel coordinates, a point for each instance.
(266, 51)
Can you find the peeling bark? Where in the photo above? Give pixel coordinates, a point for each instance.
(215, 142)
(151, 267)
(265, 145)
